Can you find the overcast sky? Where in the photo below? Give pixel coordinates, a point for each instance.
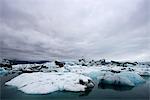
(70, 29)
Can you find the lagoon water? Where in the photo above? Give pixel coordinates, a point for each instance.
(99, 92)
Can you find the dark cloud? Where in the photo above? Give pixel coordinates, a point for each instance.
(69, 29)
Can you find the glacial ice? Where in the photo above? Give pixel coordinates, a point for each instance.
(43, 83)
(90, 69)
(3, 71)
(92, 72)
(122, 78)
(76, 76)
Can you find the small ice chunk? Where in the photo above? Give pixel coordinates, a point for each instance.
(3, 72)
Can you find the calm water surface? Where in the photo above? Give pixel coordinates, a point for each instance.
(99, 92)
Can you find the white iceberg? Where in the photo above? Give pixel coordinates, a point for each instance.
(50, 64)
(43, 83)
(122, 78)
(142, 70)
(91, 72)
(25, 66)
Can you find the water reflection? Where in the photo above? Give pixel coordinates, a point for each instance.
(114, 87)
(86, 93)
(146, 77)
(80, 94)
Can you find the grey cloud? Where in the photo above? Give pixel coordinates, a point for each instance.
(69, 29)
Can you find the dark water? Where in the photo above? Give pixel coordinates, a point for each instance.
(99, 92)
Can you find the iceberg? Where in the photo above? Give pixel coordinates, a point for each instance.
(143, 71)
(91, 72)
(3, 72)
(122, 78)
(43, 83)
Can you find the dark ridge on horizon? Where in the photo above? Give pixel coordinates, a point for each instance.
(15, 61)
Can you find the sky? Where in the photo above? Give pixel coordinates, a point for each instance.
(71, 29)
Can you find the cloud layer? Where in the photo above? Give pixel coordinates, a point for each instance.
(69, 29)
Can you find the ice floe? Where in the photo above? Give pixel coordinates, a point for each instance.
(92, 72)
(43, 83)
(122, 78)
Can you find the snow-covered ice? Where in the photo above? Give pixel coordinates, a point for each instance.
(92, 72)
(83, 67)
(43, 83)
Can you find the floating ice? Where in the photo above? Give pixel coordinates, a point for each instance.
(92, 72)
(43, 83)
(122, 78)
(3, 72)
